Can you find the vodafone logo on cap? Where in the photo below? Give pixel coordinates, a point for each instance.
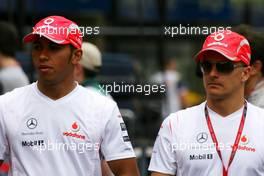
(218, 36)
(48, 21)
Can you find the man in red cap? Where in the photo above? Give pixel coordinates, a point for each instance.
(221, 136)
(55, 126)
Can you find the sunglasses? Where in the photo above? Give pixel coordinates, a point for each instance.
(221, 67)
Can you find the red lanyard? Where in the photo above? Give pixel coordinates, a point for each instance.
(235, 146)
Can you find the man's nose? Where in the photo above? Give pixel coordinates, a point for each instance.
(213, 71)
(44, 54)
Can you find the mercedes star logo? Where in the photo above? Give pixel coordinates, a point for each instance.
(202, 137)
(32, 123)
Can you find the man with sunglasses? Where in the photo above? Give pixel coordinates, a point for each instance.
(221, 136)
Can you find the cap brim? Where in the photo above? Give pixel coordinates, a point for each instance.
(34, 36)
(30, 38)
(225, 53)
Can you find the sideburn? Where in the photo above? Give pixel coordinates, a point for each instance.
(71, 54)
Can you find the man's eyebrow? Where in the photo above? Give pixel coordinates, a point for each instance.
(36, 42)
(56, 44)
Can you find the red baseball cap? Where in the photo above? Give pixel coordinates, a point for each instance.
(230, 44)
(57, 29)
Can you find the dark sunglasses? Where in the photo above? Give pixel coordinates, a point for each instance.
(221, 67)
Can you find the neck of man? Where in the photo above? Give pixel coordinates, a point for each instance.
(56, 90)
(228, 105)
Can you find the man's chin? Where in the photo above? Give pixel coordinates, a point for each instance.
(47, 81)
(215, 95)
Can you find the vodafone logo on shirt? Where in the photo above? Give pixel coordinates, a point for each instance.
(244, 140)
(75, 128)
(243, 144)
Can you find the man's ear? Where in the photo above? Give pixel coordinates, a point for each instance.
(246, 73)
(256, 67)
(76, 56)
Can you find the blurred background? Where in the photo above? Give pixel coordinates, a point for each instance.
(136, 50)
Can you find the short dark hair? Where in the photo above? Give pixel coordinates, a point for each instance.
(89, 73)
(8, 39)
(256, 41)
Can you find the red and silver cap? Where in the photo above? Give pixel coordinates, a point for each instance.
(57, 29)
(230, 44)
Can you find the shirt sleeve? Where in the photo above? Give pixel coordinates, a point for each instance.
(163, 158)
(3, 139)
(116, 143)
